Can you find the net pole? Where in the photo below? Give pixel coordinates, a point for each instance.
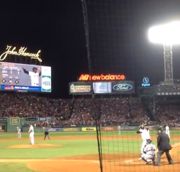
(98, 135)
(97, 116)
(86, 30)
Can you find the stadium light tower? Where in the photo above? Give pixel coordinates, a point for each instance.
(167, 35)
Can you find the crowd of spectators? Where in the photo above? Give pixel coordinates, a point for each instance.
(82, 111)
(169, 113)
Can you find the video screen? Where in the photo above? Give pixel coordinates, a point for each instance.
(102, 87)
(25, 77)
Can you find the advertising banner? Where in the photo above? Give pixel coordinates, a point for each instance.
(88, 128)
(108, 129)
(102, 87)
(80, 88)
(102, 77)
(71, 129)
(123, 87)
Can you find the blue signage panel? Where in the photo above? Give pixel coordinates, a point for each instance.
(145, 82)
(123, 87)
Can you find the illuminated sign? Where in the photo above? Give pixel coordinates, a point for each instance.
(102, 87)
(22, 51)
(145, 82)
(123, 87)
(102, 77)
(80, 88)
(24, 77)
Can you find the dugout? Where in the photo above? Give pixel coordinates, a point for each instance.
(13, 122)
(3, 124)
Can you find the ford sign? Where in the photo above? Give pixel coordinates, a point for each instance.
(123, 87)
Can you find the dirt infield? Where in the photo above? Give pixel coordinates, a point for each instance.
(91, 164)
(111, 163)
(65, 165)
(32, 146)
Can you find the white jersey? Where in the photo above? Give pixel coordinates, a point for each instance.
(31, 130)
(31, 134)
(19, 132)
(34, 78)
(167, 130)
(144, 134)
(149, 149)
(149, 152)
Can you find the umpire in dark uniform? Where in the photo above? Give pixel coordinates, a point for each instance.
(163, 145)
(46, 133)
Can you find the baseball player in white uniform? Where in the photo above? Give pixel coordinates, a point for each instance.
(167, 131)
(19, 132)
(31, 134)
(145, 134)
(34, 75)
(149, 152)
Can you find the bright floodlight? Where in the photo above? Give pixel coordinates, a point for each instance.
(168, 33)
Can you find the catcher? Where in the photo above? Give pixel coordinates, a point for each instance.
(149, 152)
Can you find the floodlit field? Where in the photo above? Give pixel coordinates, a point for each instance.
(77, 152)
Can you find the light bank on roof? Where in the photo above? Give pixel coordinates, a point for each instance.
(168, 33)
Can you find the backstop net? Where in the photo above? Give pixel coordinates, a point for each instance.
(121, 146)
(117, 43)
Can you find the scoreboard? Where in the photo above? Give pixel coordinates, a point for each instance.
(24, 77)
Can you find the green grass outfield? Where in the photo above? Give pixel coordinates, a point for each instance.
(64, 147)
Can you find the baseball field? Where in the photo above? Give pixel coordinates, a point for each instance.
(77, 152)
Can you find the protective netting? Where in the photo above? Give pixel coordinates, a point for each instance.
(124, 130)
(118, 40)
(118, 43)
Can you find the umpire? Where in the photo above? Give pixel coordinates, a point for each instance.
(46, 133)
(163, 145)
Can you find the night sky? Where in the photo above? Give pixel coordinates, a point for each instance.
(117, 37)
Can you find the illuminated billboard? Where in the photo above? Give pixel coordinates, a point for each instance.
(102, 77)
(80, 88)
(102, 87)
(25, 77)
(123, 87)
